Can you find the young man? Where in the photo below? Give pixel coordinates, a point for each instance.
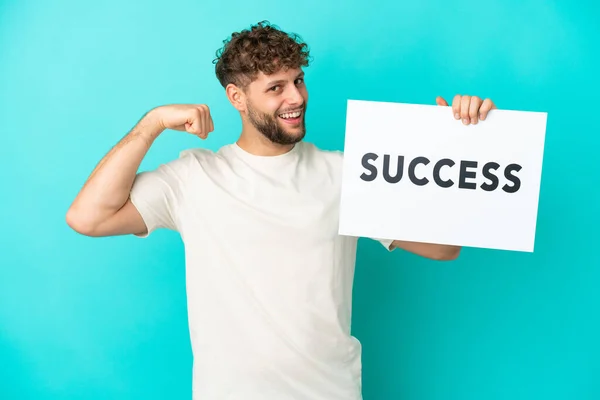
(269, 280)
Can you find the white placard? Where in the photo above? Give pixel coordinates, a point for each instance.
(483, 181)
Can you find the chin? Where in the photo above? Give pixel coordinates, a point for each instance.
(293, 132)
(298, 135)
(289, 138)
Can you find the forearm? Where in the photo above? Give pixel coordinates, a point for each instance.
(439, 252)
(108, 186)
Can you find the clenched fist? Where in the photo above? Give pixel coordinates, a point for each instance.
(191, 118)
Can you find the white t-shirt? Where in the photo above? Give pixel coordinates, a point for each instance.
(269, 280)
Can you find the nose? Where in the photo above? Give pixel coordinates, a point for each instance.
(294, 96)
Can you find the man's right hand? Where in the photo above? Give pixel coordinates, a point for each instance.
(191, 118)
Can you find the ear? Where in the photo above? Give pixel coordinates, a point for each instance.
(236, 97)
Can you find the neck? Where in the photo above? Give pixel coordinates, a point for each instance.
(257, 144)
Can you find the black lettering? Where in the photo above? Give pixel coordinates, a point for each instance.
(371, 168)
(486, 171)
(386, 169)
(411, 171)
(464, 175)
(467, 173)
(513, 178)
(436, 173)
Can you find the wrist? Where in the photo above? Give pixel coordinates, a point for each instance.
(150, 126)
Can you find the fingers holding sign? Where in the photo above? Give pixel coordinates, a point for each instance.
(469, 109)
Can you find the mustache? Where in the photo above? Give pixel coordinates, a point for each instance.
(292, 110)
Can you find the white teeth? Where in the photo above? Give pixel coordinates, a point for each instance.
(290, 115)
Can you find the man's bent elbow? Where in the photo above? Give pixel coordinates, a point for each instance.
(79, 224)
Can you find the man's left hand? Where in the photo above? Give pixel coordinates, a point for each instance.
(471, 109)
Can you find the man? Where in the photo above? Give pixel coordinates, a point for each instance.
(269, 280)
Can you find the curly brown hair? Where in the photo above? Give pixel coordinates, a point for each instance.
(262, 48)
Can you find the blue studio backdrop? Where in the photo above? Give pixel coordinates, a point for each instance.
(105, 318)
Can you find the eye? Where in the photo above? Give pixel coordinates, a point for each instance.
(274, 88)
(299, 80)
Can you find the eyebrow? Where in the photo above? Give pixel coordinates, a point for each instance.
(280, 81)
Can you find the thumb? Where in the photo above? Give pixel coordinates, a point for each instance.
(441, 102)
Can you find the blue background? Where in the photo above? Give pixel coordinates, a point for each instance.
(85, 318)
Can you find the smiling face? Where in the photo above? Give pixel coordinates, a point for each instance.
(276, 106)
(261, 71)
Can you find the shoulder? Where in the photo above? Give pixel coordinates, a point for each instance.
(332, 157)
(194, 157)
(315, 151)
(179, 168)
(197, 154)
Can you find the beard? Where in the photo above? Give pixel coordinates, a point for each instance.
(268, 126)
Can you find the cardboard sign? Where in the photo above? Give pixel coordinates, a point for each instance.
(413, 172)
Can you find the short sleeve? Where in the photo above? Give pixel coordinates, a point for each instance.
(157, 194)
(387, 243)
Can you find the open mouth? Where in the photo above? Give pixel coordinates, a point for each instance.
(291, 118)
